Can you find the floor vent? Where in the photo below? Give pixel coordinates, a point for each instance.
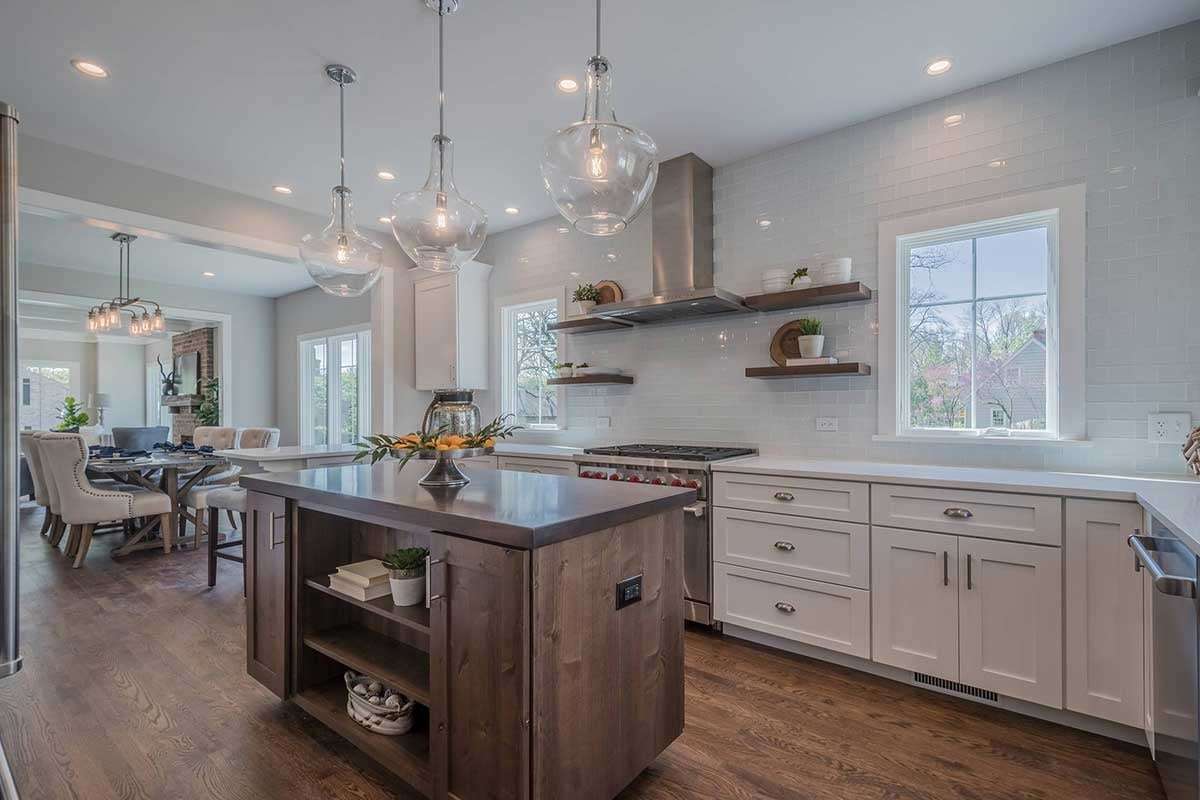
(954, 687)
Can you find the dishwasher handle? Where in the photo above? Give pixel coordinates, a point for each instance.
(1164, 582)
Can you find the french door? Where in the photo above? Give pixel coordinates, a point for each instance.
(335, 388)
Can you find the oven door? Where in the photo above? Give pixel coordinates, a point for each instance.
(697, 563)
(1172, 568)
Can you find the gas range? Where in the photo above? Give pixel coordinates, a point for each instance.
(673, 465)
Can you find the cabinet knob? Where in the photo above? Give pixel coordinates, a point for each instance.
(786, 608)
(785, 546)
(958, 513)
(784, 497)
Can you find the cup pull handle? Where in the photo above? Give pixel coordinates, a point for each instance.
(786, 608)
(784, 497)
(785, 546)
(958, 513)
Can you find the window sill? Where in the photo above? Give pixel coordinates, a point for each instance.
(1017, 441)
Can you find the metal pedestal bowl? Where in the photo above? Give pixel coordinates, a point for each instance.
(445, 472)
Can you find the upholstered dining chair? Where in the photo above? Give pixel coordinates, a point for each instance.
(82, 506)
(33, 456)
(139, 438)
(242, 438)
(252, 438)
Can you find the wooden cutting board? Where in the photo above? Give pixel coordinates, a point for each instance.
(610, 292)
(784, 343)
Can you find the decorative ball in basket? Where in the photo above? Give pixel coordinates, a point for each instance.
(440, 446)
(376, 707)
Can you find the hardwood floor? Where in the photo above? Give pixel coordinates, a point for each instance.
(134, 687)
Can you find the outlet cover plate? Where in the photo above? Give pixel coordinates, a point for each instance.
(1169, 428)
(827, 423)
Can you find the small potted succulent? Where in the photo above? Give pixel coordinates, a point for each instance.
(406, 574)
(800, 278)
(565, 369)
(585, 297)
(810, 341)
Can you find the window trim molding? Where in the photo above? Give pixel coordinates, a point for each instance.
(303, 386)
(501, 305)
(1065, 296)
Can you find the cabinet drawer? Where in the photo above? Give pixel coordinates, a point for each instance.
(844, 501)
(547, 466)
(837, 552)
(821, 614)
(991, 515)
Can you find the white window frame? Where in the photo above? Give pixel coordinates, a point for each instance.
(333, 399)
(1064, 207)
(505, 307)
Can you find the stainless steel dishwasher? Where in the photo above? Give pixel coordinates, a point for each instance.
(1172, 568)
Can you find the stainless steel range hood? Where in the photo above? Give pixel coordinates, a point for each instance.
(682, 250)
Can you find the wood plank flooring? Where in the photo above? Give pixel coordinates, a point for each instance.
(134, 687)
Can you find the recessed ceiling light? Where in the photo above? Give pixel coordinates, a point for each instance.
(89, 68)
(386, 220)
(563, 229)
(512, 211)
(611, 256)
(575, 274)
(998, 163)
(209, 274)
(567, 85)
(384, 175)
(281, 189)
(764, 223)
(524, 259)
(938, 66)
(951, 120)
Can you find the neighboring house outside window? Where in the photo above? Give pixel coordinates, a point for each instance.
(529, 352)
(44, 386)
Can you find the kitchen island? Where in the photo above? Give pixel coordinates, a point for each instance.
(535, 675)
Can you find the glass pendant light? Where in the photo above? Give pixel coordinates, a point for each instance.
(438, 228)
(341, 260)
(599, 172)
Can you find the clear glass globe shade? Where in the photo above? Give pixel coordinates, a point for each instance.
(341, 260)
(599, 172)
(437, 227)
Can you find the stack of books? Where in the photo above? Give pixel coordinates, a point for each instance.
(809, 362)
(362, 580)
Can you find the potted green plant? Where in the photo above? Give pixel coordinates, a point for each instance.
(71, 415)
(209, 412)
(800, 278)
(810, 341)
(406, 575)
(565, 369)
(585, 297)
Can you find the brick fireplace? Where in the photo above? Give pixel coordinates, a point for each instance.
(184, 406)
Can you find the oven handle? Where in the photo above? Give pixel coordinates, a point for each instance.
(1175, 585)
(695, 509)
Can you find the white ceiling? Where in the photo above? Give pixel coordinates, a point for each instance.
(232, 93)
(75, 245)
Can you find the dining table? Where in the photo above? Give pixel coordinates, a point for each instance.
(171, 468)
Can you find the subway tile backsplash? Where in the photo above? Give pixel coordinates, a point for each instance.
(1119, 119)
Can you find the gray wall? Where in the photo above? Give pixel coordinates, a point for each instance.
(1118, 119)
(121, 374)
(309, 311)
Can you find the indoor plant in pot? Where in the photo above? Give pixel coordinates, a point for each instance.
(800, 279)
(406, 574)
(585, 297)
(809, 341)
(565, 369)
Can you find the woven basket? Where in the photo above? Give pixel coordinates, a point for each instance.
(377, 717)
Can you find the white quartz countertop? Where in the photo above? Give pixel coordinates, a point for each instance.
(537, 450)
(1174, 501)
(290, 452)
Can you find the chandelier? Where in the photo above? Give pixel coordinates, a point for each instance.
(110, 315)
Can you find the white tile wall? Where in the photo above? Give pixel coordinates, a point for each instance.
(1119, 119)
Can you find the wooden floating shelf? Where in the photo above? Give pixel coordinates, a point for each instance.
(588, 325)
(415, 617)
(404, 668)
(812, 296)
(407, 755)
(591, 380)
(810, 371)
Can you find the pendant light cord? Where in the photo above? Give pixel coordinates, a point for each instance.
(342, 152)
(597, 28)
(441, 95)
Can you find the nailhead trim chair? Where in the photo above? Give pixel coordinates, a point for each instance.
(83, 506)
(33, 455)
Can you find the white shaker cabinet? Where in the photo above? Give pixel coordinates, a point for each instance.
(450, 316)
(1010, 619)
(914, 601)
(1104, 669)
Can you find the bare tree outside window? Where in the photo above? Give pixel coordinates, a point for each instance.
(533, 349)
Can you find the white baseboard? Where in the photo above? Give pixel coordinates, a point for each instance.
(1070, 719)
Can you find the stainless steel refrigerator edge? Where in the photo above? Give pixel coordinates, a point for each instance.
(10, 657)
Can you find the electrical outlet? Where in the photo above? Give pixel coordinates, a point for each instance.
(1169, 428)
(827, 423)
(603, 423)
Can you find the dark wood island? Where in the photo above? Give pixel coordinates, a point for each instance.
(531, 682)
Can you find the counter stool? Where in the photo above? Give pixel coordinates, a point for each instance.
(230, 498)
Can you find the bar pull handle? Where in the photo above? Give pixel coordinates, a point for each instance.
(271, 543)
(969, 586)
(695, 509)
(958, 513)
(1164, 582)
(785, 497)
(945, 568)
(436, 597)
(787, 547)
(786, 608)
